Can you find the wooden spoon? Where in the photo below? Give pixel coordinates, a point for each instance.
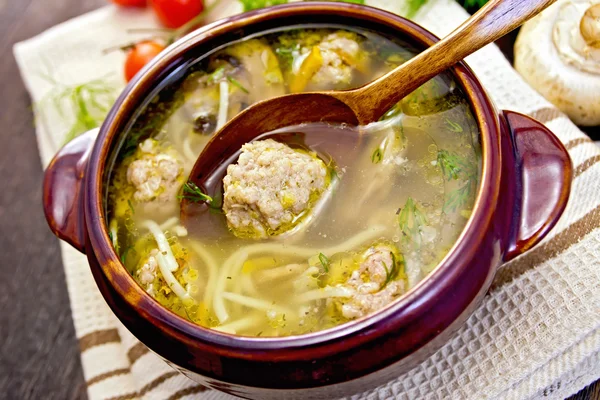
(363, 105)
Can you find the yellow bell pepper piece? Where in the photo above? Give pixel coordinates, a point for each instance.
(309, 67)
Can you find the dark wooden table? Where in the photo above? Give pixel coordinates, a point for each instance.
(39, 357)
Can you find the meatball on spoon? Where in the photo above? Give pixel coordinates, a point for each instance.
(366, 104)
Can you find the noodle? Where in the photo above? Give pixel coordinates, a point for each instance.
(234, 263)
(211, 266)
(223, 104)
(187, 150)
(218, 303)
(168, 276)
(239, 324)
(168, 224)
(255, 303)
(163, 244)
(325, 293)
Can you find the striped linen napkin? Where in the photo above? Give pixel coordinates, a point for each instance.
(536, 334)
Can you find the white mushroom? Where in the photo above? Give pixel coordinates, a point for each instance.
(558, 53)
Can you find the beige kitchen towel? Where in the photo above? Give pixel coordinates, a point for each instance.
(535, 335)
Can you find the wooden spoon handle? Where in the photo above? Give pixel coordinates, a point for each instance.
(493, 21)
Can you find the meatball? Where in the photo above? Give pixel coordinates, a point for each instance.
(341, 55)
(271, 188)
(374, 282)
(337, 50)
(154, 174)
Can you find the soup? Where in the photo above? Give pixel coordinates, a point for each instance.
(312, 226)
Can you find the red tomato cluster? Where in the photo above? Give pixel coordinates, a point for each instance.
(172, 14)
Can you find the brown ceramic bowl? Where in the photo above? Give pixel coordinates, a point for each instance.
(525, 184)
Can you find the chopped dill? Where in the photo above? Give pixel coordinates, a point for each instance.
(411, 220)
(130, 204)
(324, 262)
(216, 75)
(193, 193)
(286, 54)
(454, 167)
(459, 197)
(392, 273)
(237, 83)
(377, 156)
(451, 164)
(454, 126)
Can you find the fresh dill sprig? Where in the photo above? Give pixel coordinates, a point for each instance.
(454, 126)
(454, 167)
(193, 193)
(451, 164)
(324, 262)
(459, 197)
(237, 83)
(82, 106)
(411, 220)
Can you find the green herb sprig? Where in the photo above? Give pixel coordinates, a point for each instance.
(216, 75)
(237, 83)
(324, 262)
(411, 220)
(451, 164)
(454, 167)
(83, 106)
(454, 126)
(193, 193)
(459, 197)
(286, 54)
(397, 270)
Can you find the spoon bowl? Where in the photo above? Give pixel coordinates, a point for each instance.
(365, 104)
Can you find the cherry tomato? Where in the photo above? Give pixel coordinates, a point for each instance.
(174, 13)
(140, 55)
(130, 3)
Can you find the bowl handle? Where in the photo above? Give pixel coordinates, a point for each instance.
(63, 190)
(543, 173)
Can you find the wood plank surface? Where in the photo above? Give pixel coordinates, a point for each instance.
(39, 357)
